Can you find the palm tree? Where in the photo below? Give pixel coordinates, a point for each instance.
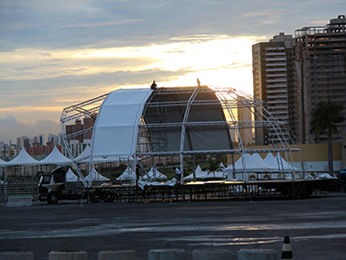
(324, 118)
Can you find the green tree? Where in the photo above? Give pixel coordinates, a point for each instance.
(324, 119)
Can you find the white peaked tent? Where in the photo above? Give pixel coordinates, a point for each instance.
(199, 173)
(251, 164)
(55, 157)
(127, 175)
(84, 156)
(154, 174)
(23, 158)
(217, 175)
(269, 166)
(284, 165)
(95, 176)
(222, 166)
(70, 176)
(270, 159)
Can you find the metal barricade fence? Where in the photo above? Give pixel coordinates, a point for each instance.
(10, 189)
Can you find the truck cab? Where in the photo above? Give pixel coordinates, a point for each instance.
(51, 186)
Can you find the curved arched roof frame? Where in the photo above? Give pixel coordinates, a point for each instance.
(135, 123)
(185, 120)
(116, 127)
(173, 120)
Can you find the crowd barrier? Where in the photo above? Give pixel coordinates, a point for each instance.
(153, 254)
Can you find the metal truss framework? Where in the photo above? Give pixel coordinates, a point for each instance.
(231, 102)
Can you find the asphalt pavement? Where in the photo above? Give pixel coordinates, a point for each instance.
(316, 226)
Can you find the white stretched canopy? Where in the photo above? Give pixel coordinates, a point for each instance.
(199, 173)
(268, 165)
(127, 175)
(95, 176)
(55, 157)
(116, 127)
(249, 163)
(284, 165)
(84, 156)
(154, 174)
(23, 158)
(70, 176)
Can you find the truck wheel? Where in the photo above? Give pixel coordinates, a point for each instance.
(108, 197)
(53, 198)
(94, 196)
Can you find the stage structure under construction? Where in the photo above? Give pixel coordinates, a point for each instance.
(173, 125)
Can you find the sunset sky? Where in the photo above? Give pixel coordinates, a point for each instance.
(57, 53)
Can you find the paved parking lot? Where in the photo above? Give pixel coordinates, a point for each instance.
(316, 226)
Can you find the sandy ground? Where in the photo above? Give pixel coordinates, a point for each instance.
(316, 226)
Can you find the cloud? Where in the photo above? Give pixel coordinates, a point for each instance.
(75, 24)
(57, 52)
(48, 91)
(11, 128)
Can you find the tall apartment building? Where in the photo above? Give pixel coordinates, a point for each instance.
(321, 72)
(273, 74)
(88, 124)
(79, 135)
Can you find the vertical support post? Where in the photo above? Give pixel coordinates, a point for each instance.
(183, 131)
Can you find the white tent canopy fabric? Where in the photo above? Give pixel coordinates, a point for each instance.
(154, 174)
(268, 165)
(249, 163)
(222, 166)
(271, 160)
(95, 176)
(23, 158)
(55, 157)
(116, 127)
(199, 174)
(127, 175)
(284, 165)
(85, 155)
(70, 176)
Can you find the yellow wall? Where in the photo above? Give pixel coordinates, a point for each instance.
(318, 152)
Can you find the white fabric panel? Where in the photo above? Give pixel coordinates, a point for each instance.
(23, 158)
(84, 155)
(95, 176)
(116, 127)
(154, 174)
(70, 176)
(55, 157)
(127, 175)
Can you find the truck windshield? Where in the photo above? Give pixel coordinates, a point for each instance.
(45, 179)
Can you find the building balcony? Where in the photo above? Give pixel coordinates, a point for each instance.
(276, 80)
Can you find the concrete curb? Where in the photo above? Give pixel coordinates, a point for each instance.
(167, 254)
(213, 254)
(257, 254)
(117, 254)
(19, 255)
(59, 255)
(19, 201)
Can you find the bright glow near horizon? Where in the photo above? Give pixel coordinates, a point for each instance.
(217, 60)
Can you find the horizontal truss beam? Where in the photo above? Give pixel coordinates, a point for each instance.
(225, 151)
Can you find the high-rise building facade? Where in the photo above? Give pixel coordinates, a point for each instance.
(305, 71)
(273, 72)
(320, 57)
